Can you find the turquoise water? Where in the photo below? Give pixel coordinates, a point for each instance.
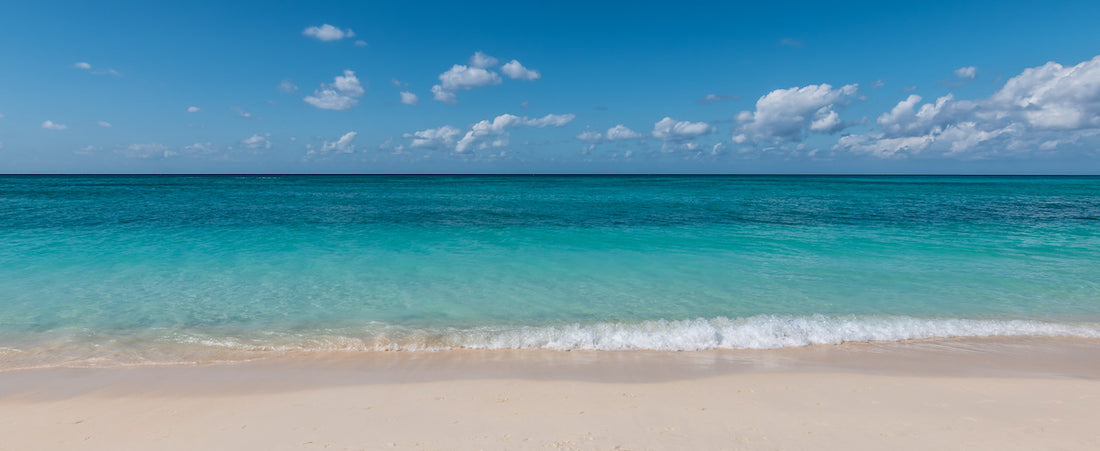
(158, 267)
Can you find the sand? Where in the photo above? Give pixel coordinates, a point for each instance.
(1038, 394)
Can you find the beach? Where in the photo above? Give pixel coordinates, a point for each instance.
(954, 394)
(506, 312)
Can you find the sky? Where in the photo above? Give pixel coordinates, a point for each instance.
(550, 87)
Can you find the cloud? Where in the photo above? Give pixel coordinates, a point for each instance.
(482, 61)
(671, 130)
(200, 148)
(360, 43)
(328, 32)
(51, 125)
(591, 136)
(616, 133)
(789, 114)
(1039, 110)
(342, 145)
(476, 74)
(145, 151)
(342, 94)
(514, 70)
(82, 65)
(104, 124)
(464, 78)
(193, 109)
(257, 141)
(480, 133)
(434, 138)
(966, 72)
(620, 131)
(287, 87)
(241, 112)
(409, 98)
(443, 95)
(715, 98)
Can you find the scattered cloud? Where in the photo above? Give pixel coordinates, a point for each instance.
(434, 138)
(241, 112)
(878, 83)
(360, 43)
(669, 129)
(514, 70)
(83, 65)
(145, 151)
(967, 72)
(1039, 110)
(51, 125)
(409, 98)
(398, 83)
(482, 61)
(715, 98)
(327, 33)
(342, 145)
(464, 78)
(193, 109)
(104, 124)
(342, 94)
(257, 141)
(524, 104)
(200, 148)
(682, 133)
(494, 133)
(287, 87)
(476, 74)
(790, 114)
(616, 133)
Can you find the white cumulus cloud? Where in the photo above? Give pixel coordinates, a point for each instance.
(193, 109)
(82, 65)
(461, 77)
(434, 138)
(342, 145)
(328, 32)
(51, 125)
(104, 124)
(482, 61)
(494, 133)
(789, 114)
(967, 72)
(1039, 110)
(409, 98)
(342, 94)
(257, 141)
(514, 70)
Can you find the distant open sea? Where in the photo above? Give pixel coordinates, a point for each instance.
(105, 270)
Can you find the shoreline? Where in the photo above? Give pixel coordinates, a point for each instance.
(954, 394)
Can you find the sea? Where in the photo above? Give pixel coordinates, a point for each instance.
(134, 270)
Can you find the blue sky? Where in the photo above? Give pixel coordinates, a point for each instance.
(316, 87)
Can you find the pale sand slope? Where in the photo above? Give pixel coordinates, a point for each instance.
(334, 403)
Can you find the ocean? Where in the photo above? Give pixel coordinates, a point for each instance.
(120, 270)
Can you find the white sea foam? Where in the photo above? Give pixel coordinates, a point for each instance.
(757, 332)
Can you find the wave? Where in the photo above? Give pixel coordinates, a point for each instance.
(757, 332)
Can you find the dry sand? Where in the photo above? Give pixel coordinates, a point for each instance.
(1021, 394)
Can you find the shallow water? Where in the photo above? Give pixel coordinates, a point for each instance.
(149, 268)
